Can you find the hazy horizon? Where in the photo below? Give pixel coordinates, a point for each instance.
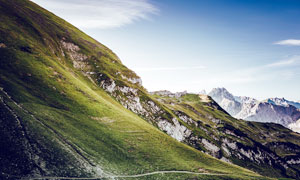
(249, 47)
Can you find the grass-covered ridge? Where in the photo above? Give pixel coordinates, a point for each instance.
(266, 148)
(56, 121)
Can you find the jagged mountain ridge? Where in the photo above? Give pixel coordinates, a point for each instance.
(276, 110)
(283, 102)
(64, 94)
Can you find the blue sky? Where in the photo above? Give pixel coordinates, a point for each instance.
(250, 47)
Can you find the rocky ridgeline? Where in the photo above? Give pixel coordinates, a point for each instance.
(166, 93)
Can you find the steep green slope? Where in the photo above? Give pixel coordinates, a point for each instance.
(56, 120)
(266, 148)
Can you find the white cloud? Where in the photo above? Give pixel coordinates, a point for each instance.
(101, 14)
(287, 62)
(168, 68)
(289, 42)
(227, 80)
(282, 63)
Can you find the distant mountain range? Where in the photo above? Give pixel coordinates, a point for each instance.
(283, 102)
(276, 110)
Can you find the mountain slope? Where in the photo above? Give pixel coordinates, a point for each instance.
(267, 148)
(56, 119)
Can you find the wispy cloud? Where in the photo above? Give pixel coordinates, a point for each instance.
(100, 13)
(229, 79)
(288, 62)
(282, 63)
(168, 68)
(284, 69)
(289, 42)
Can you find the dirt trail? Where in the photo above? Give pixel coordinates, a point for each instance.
(123, 176)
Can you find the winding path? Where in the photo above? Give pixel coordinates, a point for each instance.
(124, 176)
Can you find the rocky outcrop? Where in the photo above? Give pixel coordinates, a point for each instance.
(174, 129)
(73, 51)
(294, 161)
(135, 100)
(166, 93)
(137, 81)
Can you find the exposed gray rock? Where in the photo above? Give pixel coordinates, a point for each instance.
(185, 118)
(77, 58)
(226, 150)
(167, 93)
(209, 146)
(294, 161)
(137, 81)
(109, 87)
(231, 145)
(174, 129)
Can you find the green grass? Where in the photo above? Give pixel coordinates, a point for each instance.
(247, 134)
(67, 116)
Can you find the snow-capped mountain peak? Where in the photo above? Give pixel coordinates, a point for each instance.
(283, 102)
(276, 110)
(226, 100)
(245, 99)
(221, 93)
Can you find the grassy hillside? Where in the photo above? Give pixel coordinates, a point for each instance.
(267, 148)
(55, 119)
